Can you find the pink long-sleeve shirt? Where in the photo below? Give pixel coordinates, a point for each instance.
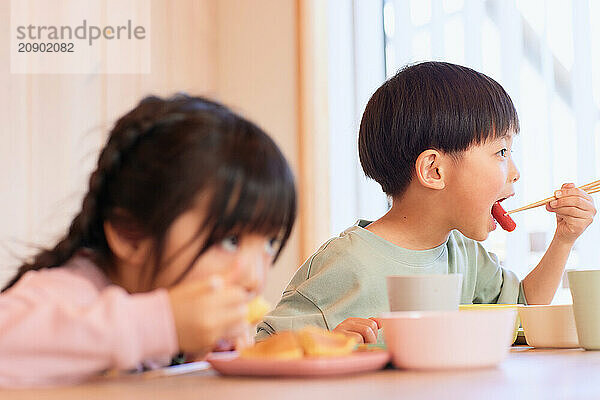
(65, 324)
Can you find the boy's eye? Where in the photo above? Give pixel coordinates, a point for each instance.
(230, 243)
(272, 246)
(503, 152)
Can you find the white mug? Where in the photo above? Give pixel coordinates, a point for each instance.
(439, 292)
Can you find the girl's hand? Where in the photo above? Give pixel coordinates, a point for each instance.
(365, 330)
(238, 343)
(574, 210)
(206, 311)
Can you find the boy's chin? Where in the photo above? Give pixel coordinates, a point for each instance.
(476, 234)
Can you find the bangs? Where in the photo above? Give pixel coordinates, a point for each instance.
(252, 206)
(248, 205)
(494, 112)
(253, 192)
(471, 113)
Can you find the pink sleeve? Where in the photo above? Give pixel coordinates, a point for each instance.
(58, 327)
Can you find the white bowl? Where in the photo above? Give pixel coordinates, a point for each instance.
(426, 340)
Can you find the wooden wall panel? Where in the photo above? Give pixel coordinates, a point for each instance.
(313, 138)
(258, 76)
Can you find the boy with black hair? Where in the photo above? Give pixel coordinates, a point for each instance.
(437, 137)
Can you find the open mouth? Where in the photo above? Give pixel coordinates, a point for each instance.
(499, 215)
(500, 200)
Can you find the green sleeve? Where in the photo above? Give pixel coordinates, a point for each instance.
(293, 312)
(494, 283)
(332, 285)
(511, 290)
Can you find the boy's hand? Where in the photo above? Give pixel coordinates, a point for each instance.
(365, 330)
(206, 311)
(574, 210)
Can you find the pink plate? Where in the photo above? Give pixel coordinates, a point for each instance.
(230, 364)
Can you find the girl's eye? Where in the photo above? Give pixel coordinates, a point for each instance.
(272, 246)
(230, 243)
(503, 152)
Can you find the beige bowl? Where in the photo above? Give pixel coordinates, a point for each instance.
(549, 326)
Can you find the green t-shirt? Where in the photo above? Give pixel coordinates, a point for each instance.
(346, 278)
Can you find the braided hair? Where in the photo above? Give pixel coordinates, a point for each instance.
(159, 157)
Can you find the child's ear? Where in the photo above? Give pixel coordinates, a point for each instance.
(430, 170)
(133, 251)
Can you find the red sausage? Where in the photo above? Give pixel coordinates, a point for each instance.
(505, 221)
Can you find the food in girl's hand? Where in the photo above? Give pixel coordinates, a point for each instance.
(257, 309)
(281, 346)
(310, 341)
(505, 221)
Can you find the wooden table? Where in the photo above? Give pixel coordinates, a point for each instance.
(526, 373)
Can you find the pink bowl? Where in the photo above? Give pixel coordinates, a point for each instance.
(448, 339)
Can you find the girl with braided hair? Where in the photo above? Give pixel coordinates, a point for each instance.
(188, 207)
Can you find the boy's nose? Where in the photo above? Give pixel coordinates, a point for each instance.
(515, 175)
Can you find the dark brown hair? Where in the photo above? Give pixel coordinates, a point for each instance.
(158, 159)
(431, 105)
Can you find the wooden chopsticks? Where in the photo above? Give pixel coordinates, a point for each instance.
(590, 188)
